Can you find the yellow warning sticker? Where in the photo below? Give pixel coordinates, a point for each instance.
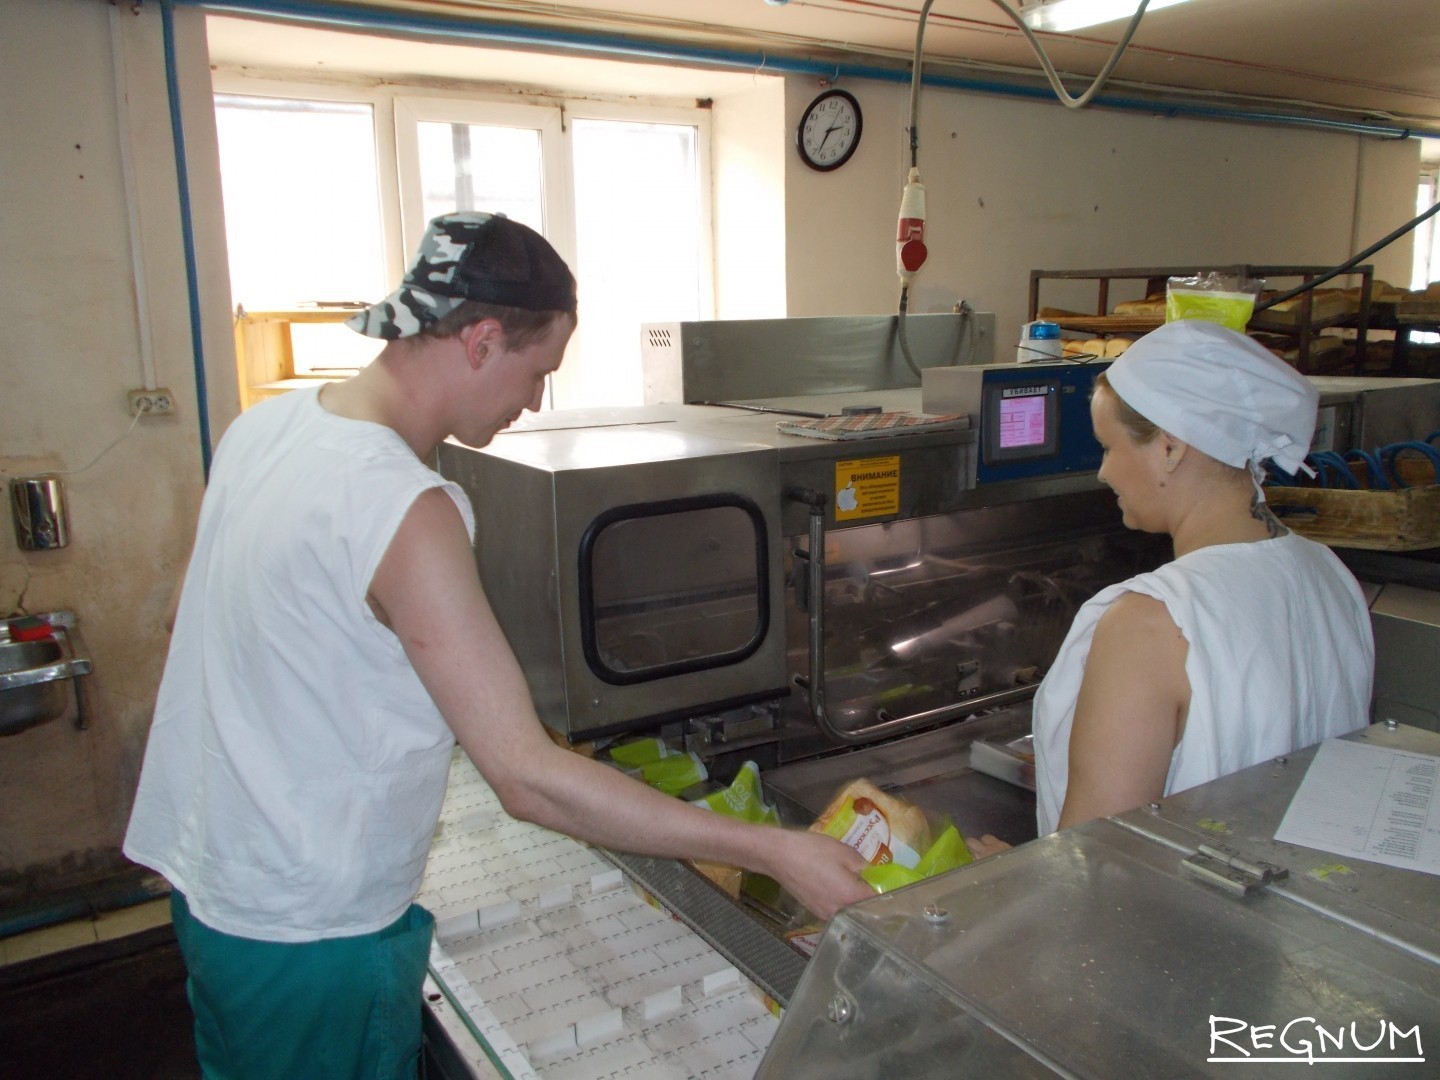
(867, 487)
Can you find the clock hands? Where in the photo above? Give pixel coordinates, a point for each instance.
(832, 127)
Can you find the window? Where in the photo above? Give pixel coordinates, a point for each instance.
(302, 215)
(620, 190)
(1427, 244)
(1427, 236)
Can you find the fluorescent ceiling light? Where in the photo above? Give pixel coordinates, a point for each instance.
(1061, 16)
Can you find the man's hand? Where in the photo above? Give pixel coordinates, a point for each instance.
(819, 871)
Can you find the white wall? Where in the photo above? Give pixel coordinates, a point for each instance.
(1016, 185)
(748, 157)
(71, 350)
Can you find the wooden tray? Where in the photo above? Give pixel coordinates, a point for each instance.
(1407, 520)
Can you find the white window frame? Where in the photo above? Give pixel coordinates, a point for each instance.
(395, 108)
(658, 114)
(392, 240)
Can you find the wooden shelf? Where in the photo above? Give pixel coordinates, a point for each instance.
(265, 354)
(1108, 324)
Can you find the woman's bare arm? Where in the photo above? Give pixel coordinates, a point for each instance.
(1130, 712)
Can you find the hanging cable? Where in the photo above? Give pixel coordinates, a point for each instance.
(1050, 74)
(910, 250)
(915, 85)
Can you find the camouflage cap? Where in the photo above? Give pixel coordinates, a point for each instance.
(469, 255)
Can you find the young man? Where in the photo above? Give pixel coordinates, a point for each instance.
(332, 643)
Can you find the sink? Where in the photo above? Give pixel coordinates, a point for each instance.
(40, 656)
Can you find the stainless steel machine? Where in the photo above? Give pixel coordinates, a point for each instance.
(696, 569)
(802, 554)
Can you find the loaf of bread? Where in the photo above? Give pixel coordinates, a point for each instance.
(1098, 348)
(881, 827)
(727, 879)
(1151, 307)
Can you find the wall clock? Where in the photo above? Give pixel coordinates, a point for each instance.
(829, 130)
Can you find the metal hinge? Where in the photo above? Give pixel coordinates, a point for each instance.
(1230, 870)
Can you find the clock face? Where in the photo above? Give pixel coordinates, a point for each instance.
(829, 131)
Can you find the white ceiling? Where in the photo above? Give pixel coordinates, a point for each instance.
(1363, 60)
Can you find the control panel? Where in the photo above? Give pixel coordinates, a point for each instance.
(1032, 420)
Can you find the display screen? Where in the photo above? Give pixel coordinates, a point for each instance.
(1022, 420)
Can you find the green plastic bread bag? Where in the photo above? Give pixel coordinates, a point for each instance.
(887, 877)
(1217, 298)
(742, 799)
(674, 774)
(641, 752)
(948, 852)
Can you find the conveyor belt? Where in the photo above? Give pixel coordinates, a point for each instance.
(771, 964)
(561, 971)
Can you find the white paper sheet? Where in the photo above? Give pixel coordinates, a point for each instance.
(1368, 802)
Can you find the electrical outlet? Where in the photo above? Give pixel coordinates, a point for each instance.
(152, 402)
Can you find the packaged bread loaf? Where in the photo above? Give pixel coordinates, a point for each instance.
(881, 827)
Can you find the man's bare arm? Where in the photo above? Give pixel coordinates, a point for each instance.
(430, 592)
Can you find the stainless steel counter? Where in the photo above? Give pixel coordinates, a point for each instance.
(1114, 950)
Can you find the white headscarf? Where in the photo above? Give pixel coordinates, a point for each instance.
(1220, 392)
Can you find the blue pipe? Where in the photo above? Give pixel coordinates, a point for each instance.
(317, 11)
(187, 233)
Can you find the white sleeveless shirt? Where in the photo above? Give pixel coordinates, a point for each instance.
(296, 764)
(1281, 655)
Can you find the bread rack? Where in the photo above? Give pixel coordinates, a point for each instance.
(1302, 327)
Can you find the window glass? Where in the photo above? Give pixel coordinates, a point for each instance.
(302, 206)
(302, 216)
(1427, 236)
(477, 167)
(619, 190)
(1427, 247)
(672, 589)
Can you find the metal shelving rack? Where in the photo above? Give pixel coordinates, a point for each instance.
(1155, 278)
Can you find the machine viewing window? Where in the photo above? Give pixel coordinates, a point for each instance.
(673, 587)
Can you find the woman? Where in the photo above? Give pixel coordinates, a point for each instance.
(1252, 643)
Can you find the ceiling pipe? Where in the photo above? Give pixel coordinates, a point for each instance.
(328, 15)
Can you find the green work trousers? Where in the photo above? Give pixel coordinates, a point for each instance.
(339, 1008)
